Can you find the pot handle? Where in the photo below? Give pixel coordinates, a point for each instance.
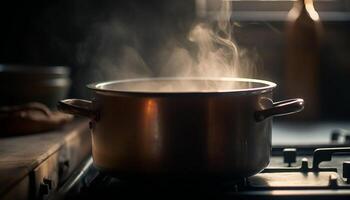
(281, 108)
(77, 107)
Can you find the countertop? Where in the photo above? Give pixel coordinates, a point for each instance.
(20, 155)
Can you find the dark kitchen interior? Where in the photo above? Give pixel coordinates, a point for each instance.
(69, 33)
(46, 154)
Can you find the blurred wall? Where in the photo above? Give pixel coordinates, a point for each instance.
(77, 32)
(68, 32)
(268, 39)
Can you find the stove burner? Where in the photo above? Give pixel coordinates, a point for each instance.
(99, 186)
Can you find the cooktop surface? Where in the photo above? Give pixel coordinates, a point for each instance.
(307, 162)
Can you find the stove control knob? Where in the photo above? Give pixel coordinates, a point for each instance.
(304, 165)
(335, 135)
(346, 170)
(347, 139)
(48, 182)
(289, 156)
(333, 181)
(43, 189)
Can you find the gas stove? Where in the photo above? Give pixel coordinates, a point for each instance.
(303, 172)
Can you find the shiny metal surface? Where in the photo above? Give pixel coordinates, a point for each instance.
(20, 84)
(189, 85)
(181, 135)
(189, 135)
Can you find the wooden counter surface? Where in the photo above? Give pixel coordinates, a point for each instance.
(20, 155)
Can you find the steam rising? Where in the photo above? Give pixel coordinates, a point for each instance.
(216, 55)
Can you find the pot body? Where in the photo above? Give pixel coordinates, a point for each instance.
(185, 135)
(181, 135)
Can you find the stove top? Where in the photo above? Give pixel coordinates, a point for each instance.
(304, 172)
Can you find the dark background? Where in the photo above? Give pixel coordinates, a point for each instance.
(71, 32)
(68, 32)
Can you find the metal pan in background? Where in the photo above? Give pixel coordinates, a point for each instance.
(20, 84)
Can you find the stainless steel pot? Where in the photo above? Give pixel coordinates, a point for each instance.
(139, 129)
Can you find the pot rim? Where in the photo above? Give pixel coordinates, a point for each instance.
(268, 86)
